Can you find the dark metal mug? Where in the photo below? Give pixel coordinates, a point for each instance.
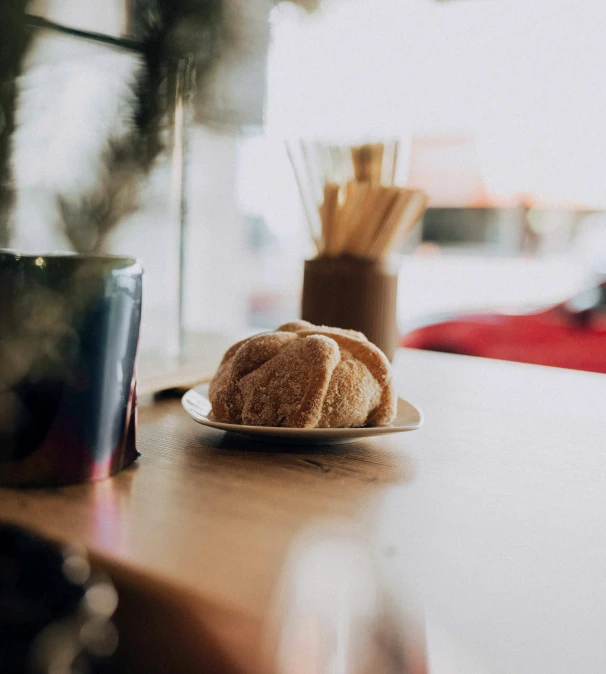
(69, 330)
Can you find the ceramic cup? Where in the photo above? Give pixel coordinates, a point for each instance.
(69, 330)
(353, 293)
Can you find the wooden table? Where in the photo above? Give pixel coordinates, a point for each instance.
(493, 512)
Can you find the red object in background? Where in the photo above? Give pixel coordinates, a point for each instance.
(570, 335)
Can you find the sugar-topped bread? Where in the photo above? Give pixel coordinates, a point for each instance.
(304, 376)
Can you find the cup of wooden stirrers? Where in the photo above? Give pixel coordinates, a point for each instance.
(357, 217)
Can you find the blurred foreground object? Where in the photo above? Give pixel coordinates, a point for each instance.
(55, 615)
(570, 335)
(332, 614)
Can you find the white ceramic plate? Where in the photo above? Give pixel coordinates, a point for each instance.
(197, 405)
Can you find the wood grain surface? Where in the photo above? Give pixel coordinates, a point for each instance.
(492, 514)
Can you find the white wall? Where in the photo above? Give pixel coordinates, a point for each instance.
(525, 77)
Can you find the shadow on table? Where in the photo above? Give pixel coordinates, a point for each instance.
(371, 460)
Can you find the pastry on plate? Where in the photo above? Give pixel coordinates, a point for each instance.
(304, 376)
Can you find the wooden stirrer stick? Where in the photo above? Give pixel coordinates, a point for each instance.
(395, 235)
(390, 224)
(386, 196)
(355, 194)
(329, 215)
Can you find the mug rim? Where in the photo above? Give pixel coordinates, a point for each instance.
(125, 261)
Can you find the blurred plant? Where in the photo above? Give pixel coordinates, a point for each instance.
(13, 43)
(85, 158)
